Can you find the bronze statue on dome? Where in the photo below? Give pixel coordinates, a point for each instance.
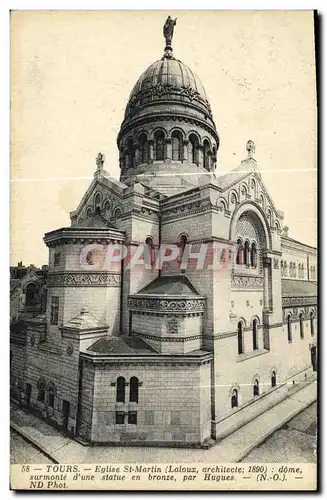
(168, 30)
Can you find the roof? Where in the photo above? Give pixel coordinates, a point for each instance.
(14, 283)
(84, 321)
(292, 240)
(95, 221)
(297, 288)
(235, 175)
(177, 284)
(169, 72)
(121, 345)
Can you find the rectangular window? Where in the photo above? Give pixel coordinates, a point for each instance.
(132, 417)
(56, 259)
(149, 417)
(54, 310)
(120, 417)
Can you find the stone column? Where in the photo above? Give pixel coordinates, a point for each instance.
(121, 160)
(150, 142)
(127, 165)
(200, 155)
(137, 155)
(185, 143)
(168, 150)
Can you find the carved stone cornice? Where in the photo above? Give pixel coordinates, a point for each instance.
(68, 236)
(247, 281)
(159, 305)
(81, 278)
(121, 360)
(166, 339)
(298, 301)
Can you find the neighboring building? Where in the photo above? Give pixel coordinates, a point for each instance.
(27, 300)
(131, 354)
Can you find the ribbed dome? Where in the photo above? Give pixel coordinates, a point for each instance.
(169, 79)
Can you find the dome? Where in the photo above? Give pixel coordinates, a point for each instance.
(168, 78)
(168, 132)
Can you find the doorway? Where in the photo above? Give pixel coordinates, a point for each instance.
(65, 411)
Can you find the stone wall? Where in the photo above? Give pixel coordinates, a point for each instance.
(173, 407)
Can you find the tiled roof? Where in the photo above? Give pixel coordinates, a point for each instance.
(96, 221)
(243, 170)
(170, 285)
(121, 345)
(84, 321)
(297, 288)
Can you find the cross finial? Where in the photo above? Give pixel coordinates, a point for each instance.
(250, 147)
(100, 161)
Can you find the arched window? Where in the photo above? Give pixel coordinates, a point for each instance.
(299, 271)
(159, 145)
(134, 390)
(234, 399)
(289, 328)
(89, 212)
(255, 334)
(177, 146)
(285, 268)
(106, 206)
(273, 379)
(41, 391)
(239, 252)
(282, 268)
(253, 255)
(182, 240)
(301, 326)
(193, 149)
(97, 200)
(206, 157)
(143, 148)
(120, 390)
(246, 253)
(31, 295)
(240, 341)
(149, 256)
(117, 213)
(256, 387)
(312, 326)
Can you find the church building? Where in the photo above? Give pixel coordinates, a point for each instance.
(178, 308)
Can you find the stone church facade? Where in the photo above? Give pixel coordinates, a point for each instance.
(178, 308)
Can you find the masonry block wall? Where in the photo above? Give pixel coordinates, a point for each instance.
(17, 366)
(136, 276)
(155, 331)
(173, 405)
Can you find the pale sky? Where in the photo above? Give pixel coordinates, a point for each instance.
(72, 73)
